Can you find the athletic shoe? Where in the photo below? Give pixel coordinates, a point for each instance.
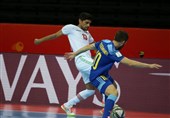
(67, 110)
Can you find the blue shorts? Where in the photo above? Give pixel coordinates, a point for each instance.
(102, 82)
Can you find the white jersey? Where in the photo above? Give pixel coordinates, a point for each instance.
(78, 38)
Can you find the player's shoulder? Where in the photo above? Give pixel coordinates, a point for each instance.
(110, 46)
(73, 27)
(106, 41)
(70, 25)
(70, 28)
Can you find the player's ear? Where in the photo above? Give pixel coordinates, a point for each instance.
(123, 42)
(80, 21)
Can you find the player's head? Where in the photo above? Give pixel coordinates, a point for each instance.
(121, 38)
(85, 20)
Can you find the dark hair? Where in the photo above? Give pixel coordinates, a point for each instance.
(85, 16)
(121, 36)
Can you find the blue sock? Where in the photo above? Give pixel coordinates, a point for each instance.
(109, 105)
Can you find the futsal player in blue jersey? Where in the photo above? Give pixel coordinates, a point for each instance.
(108, 52)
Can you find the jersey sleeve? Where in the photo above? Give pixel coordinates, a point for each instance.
(67, 29)
(117, 56)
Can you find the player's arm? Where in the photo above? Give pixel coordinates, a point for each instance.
(138, 64)
(49, 37)
(85, 48)
(71, 55)
(93, 51)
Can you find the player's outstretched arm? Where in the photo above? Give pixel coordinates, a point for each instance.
(49, 37)
(71, 55)
(138, 64)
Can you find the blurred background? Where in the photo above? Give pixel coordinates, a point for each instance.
(21, 21)
(112, 13)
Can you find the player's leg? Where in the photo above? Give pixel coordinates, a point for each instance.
(89, 91)
(82, 95)
(105, 97)
(84, 66)
(104, 85)
(111, 92)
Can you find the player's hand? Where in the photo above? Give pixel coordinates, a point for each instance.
(69, 55)
(156, 66)
(36, 41)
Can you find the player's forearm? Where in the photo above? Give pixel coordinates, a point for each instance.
(84, 49)
(49, 37)
(46, 38)
(139, 64)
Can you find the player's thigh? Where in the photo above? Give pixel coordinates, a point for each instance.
(84, 64)
(101, 83)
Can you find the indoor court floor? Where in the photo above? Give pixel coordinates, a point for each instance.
(30, 111)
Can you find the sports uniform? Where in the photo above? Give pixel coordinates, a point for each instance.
(106, 56)
(103, 62)
(79, 38)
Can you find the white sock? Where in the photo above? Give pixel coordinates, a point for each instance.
(80, 96)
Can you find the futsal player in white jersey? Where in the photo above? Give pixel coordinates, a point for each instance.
(78, 37)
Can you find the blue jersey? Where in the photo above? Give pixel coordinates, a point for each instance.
(106, 56)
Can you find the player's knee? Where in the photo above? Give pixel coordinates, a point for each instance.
(115, 93)
(86, 93)
(111, 90)
(111, 93)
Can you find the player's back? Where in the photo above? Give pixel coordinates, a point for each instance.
(104, 59)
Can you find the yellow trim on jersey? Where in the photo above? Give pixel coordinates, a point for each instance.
(103, 49)
(96, 60)
(103, 77)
